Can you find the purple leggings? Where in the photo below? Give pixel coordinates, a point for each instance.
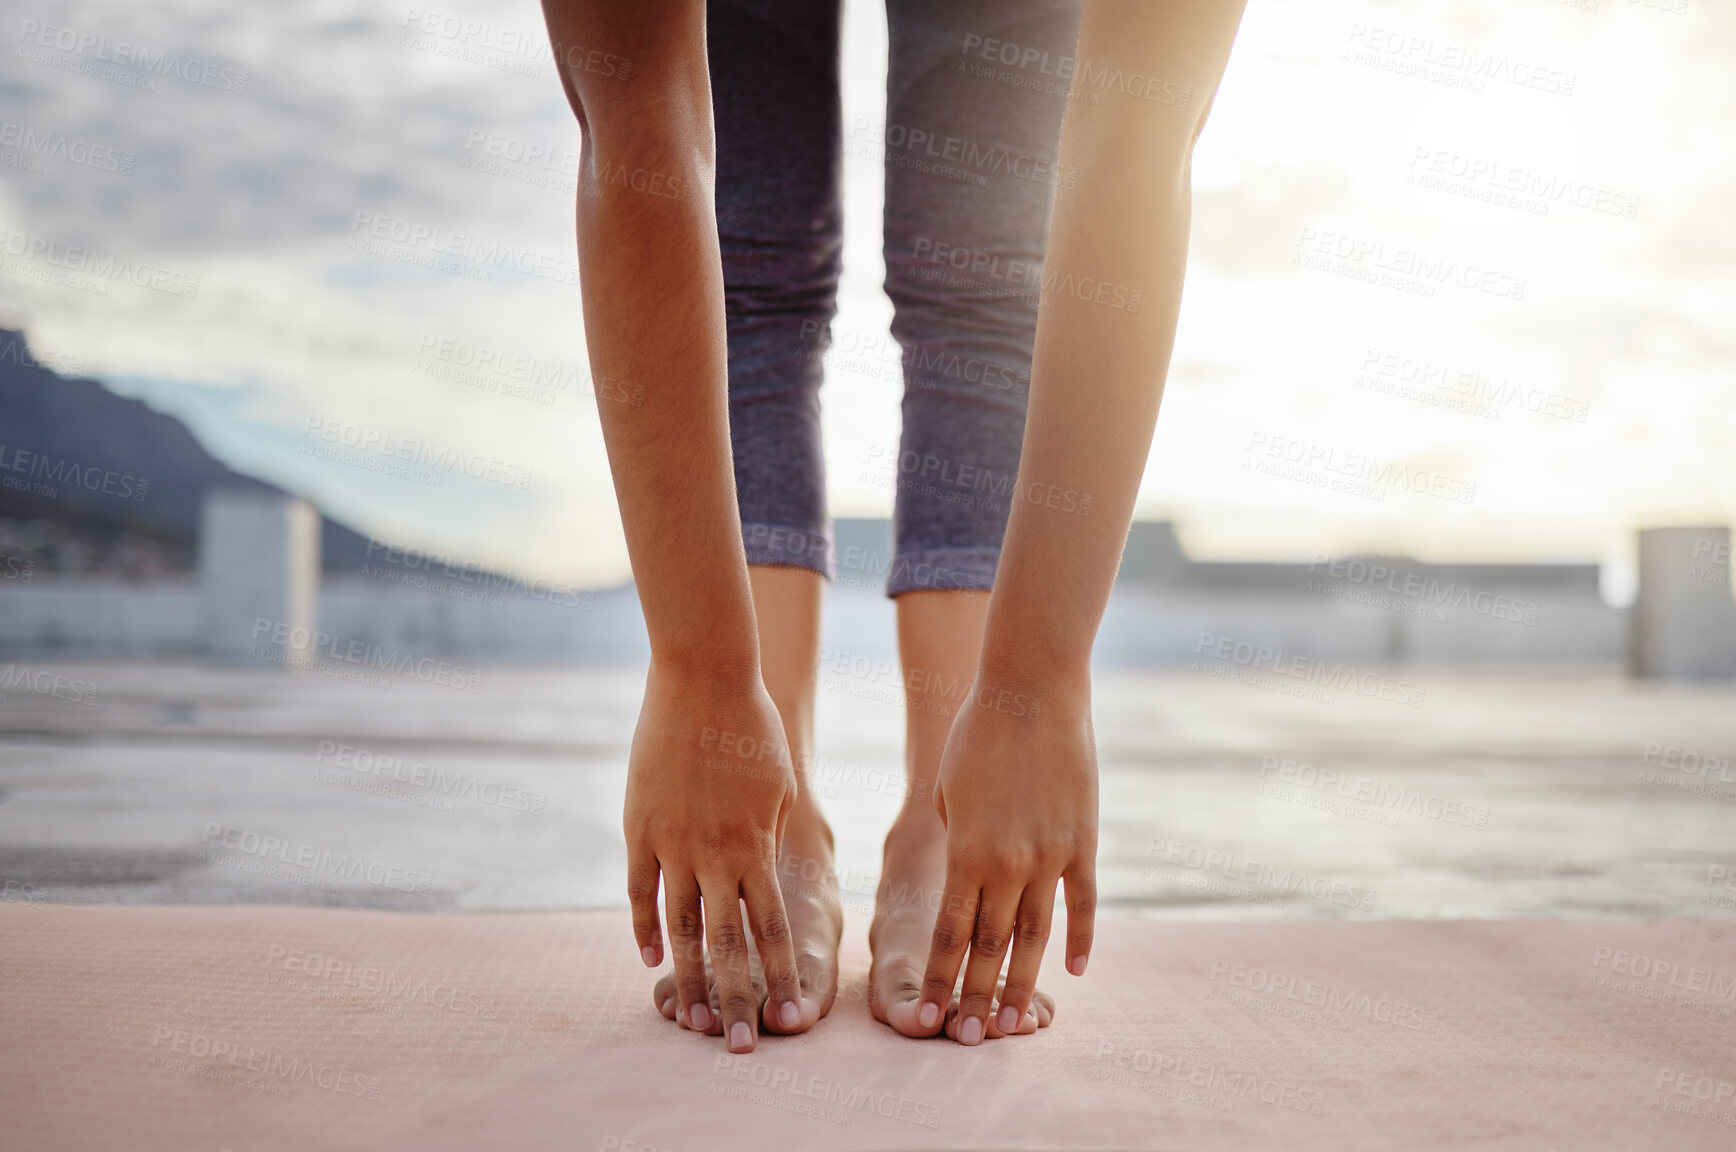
(975, 96)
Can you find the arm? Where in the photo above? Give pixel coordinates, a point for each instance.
(700, 812)
(1018, 784)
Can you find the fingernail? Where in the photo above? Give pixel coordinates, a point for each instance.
(669, 1005)
(972, 1032)
(740, 1035)
(1077, 965)
(788, 1014)
(1009, 1018)
(699, 1018)
(928, 1015)
(649, 955)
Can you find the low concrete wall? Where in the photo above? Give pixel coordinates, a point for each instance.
(77, 617)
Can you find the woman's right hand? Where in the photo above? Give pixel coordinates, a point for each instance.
(709, 784)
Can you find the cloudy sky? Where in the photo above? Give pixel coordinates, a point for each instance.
(1488, 242)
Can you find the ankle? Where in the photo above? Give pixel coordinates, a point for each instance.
(917, 823)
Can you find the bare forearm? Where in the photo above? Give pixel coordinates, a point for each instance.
(1112, 291)
(654, 323)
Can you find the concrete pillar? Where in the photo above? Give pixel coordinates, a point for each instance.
(259, 573)
(1684, 620)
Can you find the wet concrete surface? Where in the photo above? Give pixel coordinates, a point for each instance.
(1500, 794)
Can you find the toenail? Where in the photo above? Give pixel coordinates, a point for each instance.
(972, 1032)
(1009, 1018)
(788, 1014)
(699, 1018)
(649, 955)
(928, 1015)
(1077, 965)
(740, 1035)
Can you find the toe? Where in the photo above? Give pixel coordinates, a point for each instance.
(663, 995)
(896, 999)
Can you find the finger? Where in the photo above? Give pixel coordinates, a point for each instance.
(1026, 1024)
(1030, 937)
(952, 932)
(642, 895)
(1081, 880)
(988, 950)
(736, 1002)
(771, 934)
(687, 947)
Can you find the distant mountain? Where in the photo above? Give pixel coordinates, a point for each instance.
(108, 468)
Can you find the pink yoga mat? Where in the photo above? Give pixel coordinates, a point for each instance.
(291, 1028)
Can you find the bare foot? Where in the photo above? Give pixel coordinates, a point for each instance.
(809, 883)
(912, 878)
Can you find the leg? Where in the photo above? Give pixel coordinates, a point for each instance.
(964, 246)
(775, 98)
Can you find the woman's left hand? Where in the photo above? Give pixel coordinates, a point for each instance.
(1017, 791)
